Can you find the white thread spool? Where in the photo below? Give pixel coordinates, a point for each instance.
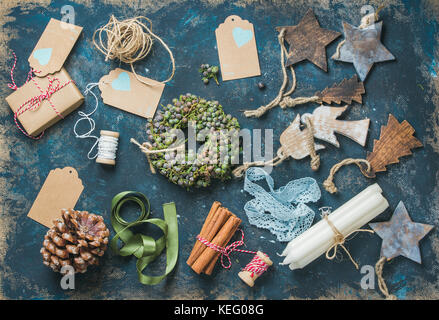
(107, 147)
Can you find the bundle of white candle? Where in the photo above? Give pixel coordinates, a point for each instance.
(349, 217)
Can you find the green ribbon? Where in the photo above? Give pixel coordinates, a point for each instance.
(145, 248)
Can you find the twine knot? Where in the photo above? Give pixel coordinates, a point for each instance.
(315, 162)
(339, 238)
(329, 186)
(280, 156)
(315, 158)
(226, 251)
(256, 113)
(148, 150)
(290, 102)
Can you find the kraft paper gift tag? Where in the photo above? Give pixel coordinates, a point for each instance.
(54, 47)
(237, 50)
(122, 90)
(64, 100)
(61, 190)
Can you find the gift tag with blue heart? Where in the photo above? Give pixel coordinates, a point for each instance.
(122, 82)
(237, 50)
(43, 55)
(242, 36)
(54, 47)
(121, 89)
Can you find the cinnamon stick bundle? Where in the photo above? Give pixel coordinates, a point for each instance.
(218, 228)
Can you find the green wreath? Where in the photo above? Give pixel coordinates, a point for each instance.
(215, 158)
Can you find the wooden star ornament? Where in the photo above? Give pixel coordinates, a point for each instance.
(363, 48)
(308, 41)
(401, 235)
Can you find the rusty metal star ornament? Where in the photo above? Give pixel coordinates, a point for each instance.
(308, 41)
(401, 235)
(363, 48)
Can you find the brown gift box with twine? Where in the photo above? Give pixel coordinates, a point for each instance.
(65, 100)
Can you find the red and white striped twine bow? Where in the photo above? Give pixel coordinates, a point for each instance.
(34, 103)
(225, 252)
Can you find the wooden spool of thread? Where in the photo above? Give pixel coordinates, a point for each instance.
(107, 147)
(255, 268)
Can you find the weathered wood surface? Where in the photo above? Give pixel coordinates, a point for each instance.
(295, 141)
(396, 140)
(346, 91)
(325, 124)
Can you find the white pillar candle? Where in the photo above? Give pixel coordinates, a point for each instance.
(319, 238)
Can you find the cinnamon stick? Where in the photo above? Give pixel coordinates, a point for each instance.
(221, 239)
(207, 226)
(221, 216)
(209, 268)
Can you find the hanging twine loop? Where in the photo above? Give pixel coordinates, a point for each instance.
(146, 148)
(339, 238)
(381, 283)
(263, 109)
(315, 158)
(280, 157)
(329, 184)
(129, 41)
(366, 21)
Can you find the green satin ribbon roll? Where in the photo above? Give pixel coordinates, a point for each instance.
(145, 248)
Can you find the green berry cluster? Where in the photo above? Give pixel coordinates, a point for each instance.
(189, 169)
(208, 72)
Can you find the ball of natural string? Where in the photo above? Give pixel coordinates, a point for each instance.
(128, 40)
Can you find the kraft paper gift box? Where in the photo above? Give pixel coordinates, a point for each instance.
(65, 101)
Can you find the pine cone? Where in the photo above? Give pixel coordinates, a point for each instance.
(78, 240)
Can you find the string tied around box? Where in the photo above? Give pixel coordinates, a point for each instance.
(254, 269)
(339, 238)
(129, 41)
(35, 102)
(107, 143)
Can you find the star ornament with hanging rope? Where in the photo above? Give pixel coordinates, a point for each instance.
(308, 41)
(363, 48)
(401, 237)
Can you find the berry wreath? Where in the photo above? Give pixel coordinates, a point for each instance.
(218, 131)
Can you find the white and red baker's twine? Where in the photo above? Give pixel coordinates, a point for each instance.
(34, 103)
(256, 266)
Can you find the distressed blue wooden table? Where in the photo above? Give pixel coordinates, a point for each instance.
(408, 88)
